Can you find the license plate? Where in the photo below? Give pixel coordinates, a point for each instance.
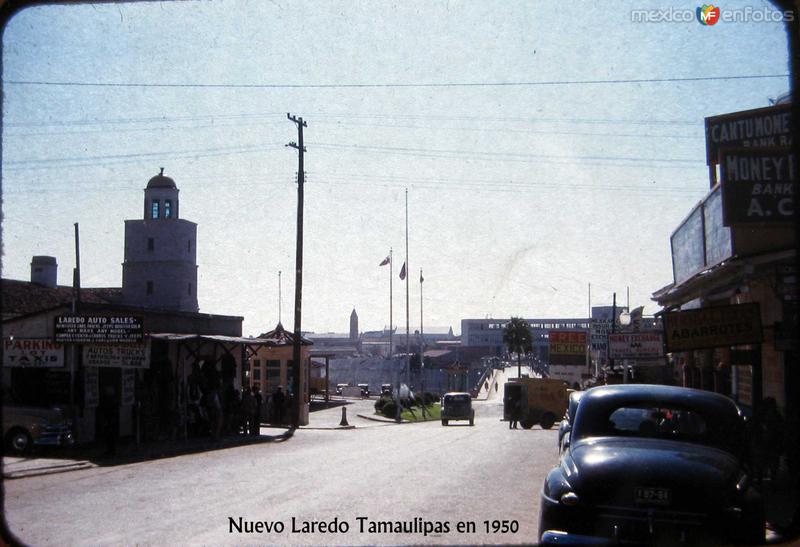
(653, 496)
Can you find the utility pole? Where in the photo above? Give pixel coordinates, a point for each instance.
(298, 286)
(279, 296)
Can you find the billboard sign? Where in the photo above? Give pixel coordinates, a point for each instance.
(757, 185)
(32, 352)
(760, 128)
(636, 345)
(99, 329)
(717, 326)
(119, 355)
(567, 347)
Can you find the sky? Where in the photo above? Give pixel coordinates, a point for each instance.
(543, 147)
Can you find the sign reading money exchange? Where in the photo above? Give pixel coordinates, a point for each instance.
(758, 186)
(718, 326)
(83, 329)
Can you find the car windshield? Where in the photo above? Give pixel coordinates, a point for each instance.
(670, 422)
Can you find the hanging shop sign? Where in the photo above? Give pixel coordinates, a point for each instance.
(636, 345)
(100, 329)
(121, 356)
(717, 326)
(567, 347)
(758, 186)
(32, 352)
(760, 128)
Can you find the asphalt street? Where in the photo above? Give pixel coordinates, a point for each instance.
(384, 484)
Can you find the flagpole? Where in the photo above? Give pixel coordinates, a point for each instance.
(391, 268)
(408, 270)
(421, 347)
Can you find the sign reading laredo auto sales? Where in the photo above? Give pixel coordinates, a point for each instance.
(758, 185)
(567, 347)
(100, 329)
(718, 326)
(636, 345)
(32, 352)
(759, 128)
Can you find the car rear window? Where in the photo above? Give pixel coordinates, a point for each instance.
(665, 422)
(456, 398)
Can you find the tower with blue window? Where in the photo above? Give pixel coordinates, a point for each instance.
(160, 267)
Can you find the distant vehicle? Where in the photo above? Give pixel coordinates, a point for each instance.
(457, 405)
(652, 465)
(569, 417)
(364, 390)
(543, 400)
(27, 426)
(340, 387)
(386, 389)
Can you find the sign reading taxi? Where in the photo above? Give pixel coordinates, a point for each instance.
(717, 326)
(32, 352)
(636, 345)
(567, 347)
(99, 329)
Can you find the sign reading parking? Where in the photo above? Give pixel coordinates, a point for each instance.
(99, 329)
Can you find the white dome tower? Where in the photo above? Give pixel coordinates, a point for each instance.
(160, 268)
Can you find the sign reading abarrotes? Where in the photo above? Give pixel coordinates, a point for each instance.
(718, 326)
(636, 345)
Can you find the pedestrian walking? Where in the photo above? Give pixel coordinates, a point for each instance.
(247, 410)
(278, 402)
(258, 400)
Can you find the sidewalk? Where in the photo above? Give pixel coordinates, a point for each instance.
(60, 460)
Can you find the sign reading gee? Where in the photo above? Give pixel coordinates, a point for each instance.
(713, 327)
(567, 347)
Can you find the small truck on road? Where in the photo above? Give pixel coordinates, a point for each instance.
(543, 401)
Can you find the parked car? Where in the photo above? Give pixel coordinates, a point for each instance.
(386, 389)
(340, 387)
(457, 405)
(566, 423)
(364, 390)
(652, 464)
(27, 426)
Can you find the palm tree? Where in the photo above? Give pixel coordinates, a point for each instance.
(517, 336)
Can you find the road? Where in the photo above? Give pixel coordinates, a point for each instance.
(388, 475)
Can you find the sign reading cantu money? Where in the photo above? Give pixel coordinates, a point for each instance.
(759, 128)
(567, 347)
(717, 326)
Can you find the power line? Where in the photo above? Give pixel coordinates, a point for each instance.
(394, 85)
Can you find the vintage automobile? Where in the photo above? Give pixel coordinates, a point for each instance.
(27, 426)
(457, 406)
(652, 464)
(569, 417)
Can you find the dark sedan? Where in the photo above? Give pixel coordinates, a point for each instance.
(651, 464)
(569, 417)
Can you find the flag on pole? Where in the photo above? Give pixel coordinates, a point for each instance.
(403, 271)
(385, 261)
